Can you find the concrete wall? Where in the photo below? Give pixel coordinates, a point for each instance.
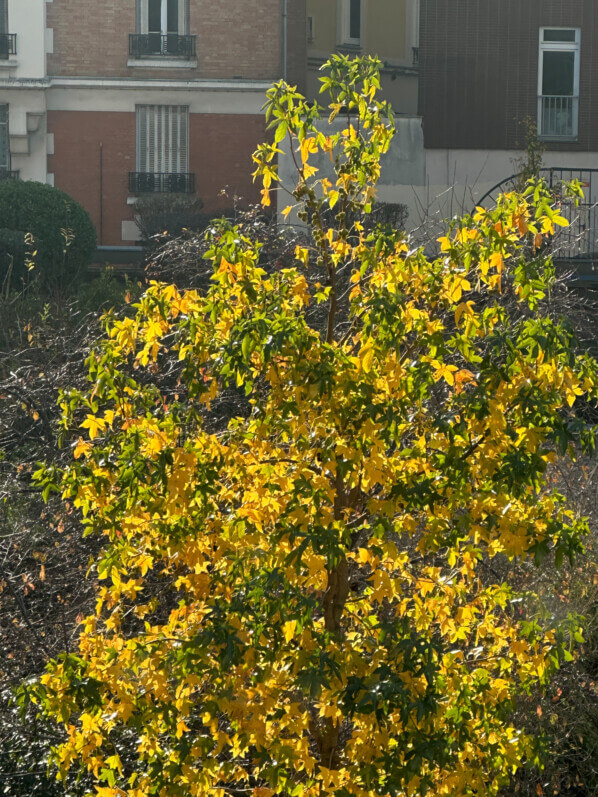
(27, 18)
(403, 166)
(389, 30)
(437, 184)
(22, 87)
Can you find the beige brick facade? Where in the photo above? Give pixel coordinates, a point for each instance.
(234, 39)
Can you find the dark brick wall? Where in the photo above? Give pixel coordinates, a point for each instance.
(479, 70)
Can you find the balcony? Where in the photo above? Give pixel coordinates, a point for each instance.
(557, 116)
(161, 183)
(8, 45)
(171, 45)
(8, 174)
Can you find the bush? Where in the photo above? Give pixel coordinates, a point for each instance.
(12, 256)
(169, 213)
(63, 234)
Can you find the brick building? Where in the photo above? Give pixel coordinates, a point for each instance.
(115, 100)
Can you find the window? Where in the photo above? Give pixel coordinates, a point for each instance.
(558, 83)
(162, 138)
(162, 149)
(162, 30)
(8, 41)
(162, 16)
(351, 22)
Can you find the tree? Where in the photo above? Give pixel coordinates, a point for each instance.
(45, 228)
(304, 597)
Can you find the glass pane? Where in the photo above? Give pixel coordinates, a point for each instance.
(558, 74)
(173, 16)
(559, 35)
(154, 19)
(355, 19)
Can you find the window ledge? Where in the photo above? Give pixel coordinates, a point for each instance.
(159, 62)
(558, 139)
(8, 63)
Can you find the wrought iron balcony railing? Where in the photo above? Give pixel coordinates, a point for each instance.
(8, 44)
(171, 45)
(161, 183)
(8, 174)
(557, 116)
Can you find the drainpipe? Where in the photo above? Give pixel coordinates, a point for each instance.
(284, 39)
(164, 17)
(101, 193)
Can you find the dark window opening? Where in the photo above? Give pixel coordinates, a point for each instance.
(355, 19)
(558, 74)
(559, 36)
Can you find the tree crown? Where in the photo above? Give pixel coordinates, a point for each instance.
(297, 597)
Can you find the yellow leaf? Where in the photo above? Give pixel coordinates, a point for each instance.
(464, 307)
(289, 629)
(287, 210)
(366, 358)
(302, 255)
(308, 145)
(114, 762)
(94, 425)
(82, 449)
(497, 262)
(442, 371)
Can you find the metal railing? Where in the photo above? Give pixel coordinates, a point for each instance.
(8, 44)
(161, 183)
(8, 174)
(171, 45)
(578, 241)
(557, 116)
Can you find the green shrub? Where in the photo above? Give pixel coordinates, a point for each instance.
(169, 213)
(63, 234)
(13, 251)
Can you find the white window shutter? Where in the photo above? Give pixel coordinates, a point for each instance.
(163, 138)
(184, 139)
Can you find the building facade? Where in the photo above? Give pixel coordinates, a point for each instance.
(120, 99)
(490, 69)
(388, 29)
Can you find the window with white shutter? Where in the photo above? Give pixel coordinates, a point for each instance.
(163, 139)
